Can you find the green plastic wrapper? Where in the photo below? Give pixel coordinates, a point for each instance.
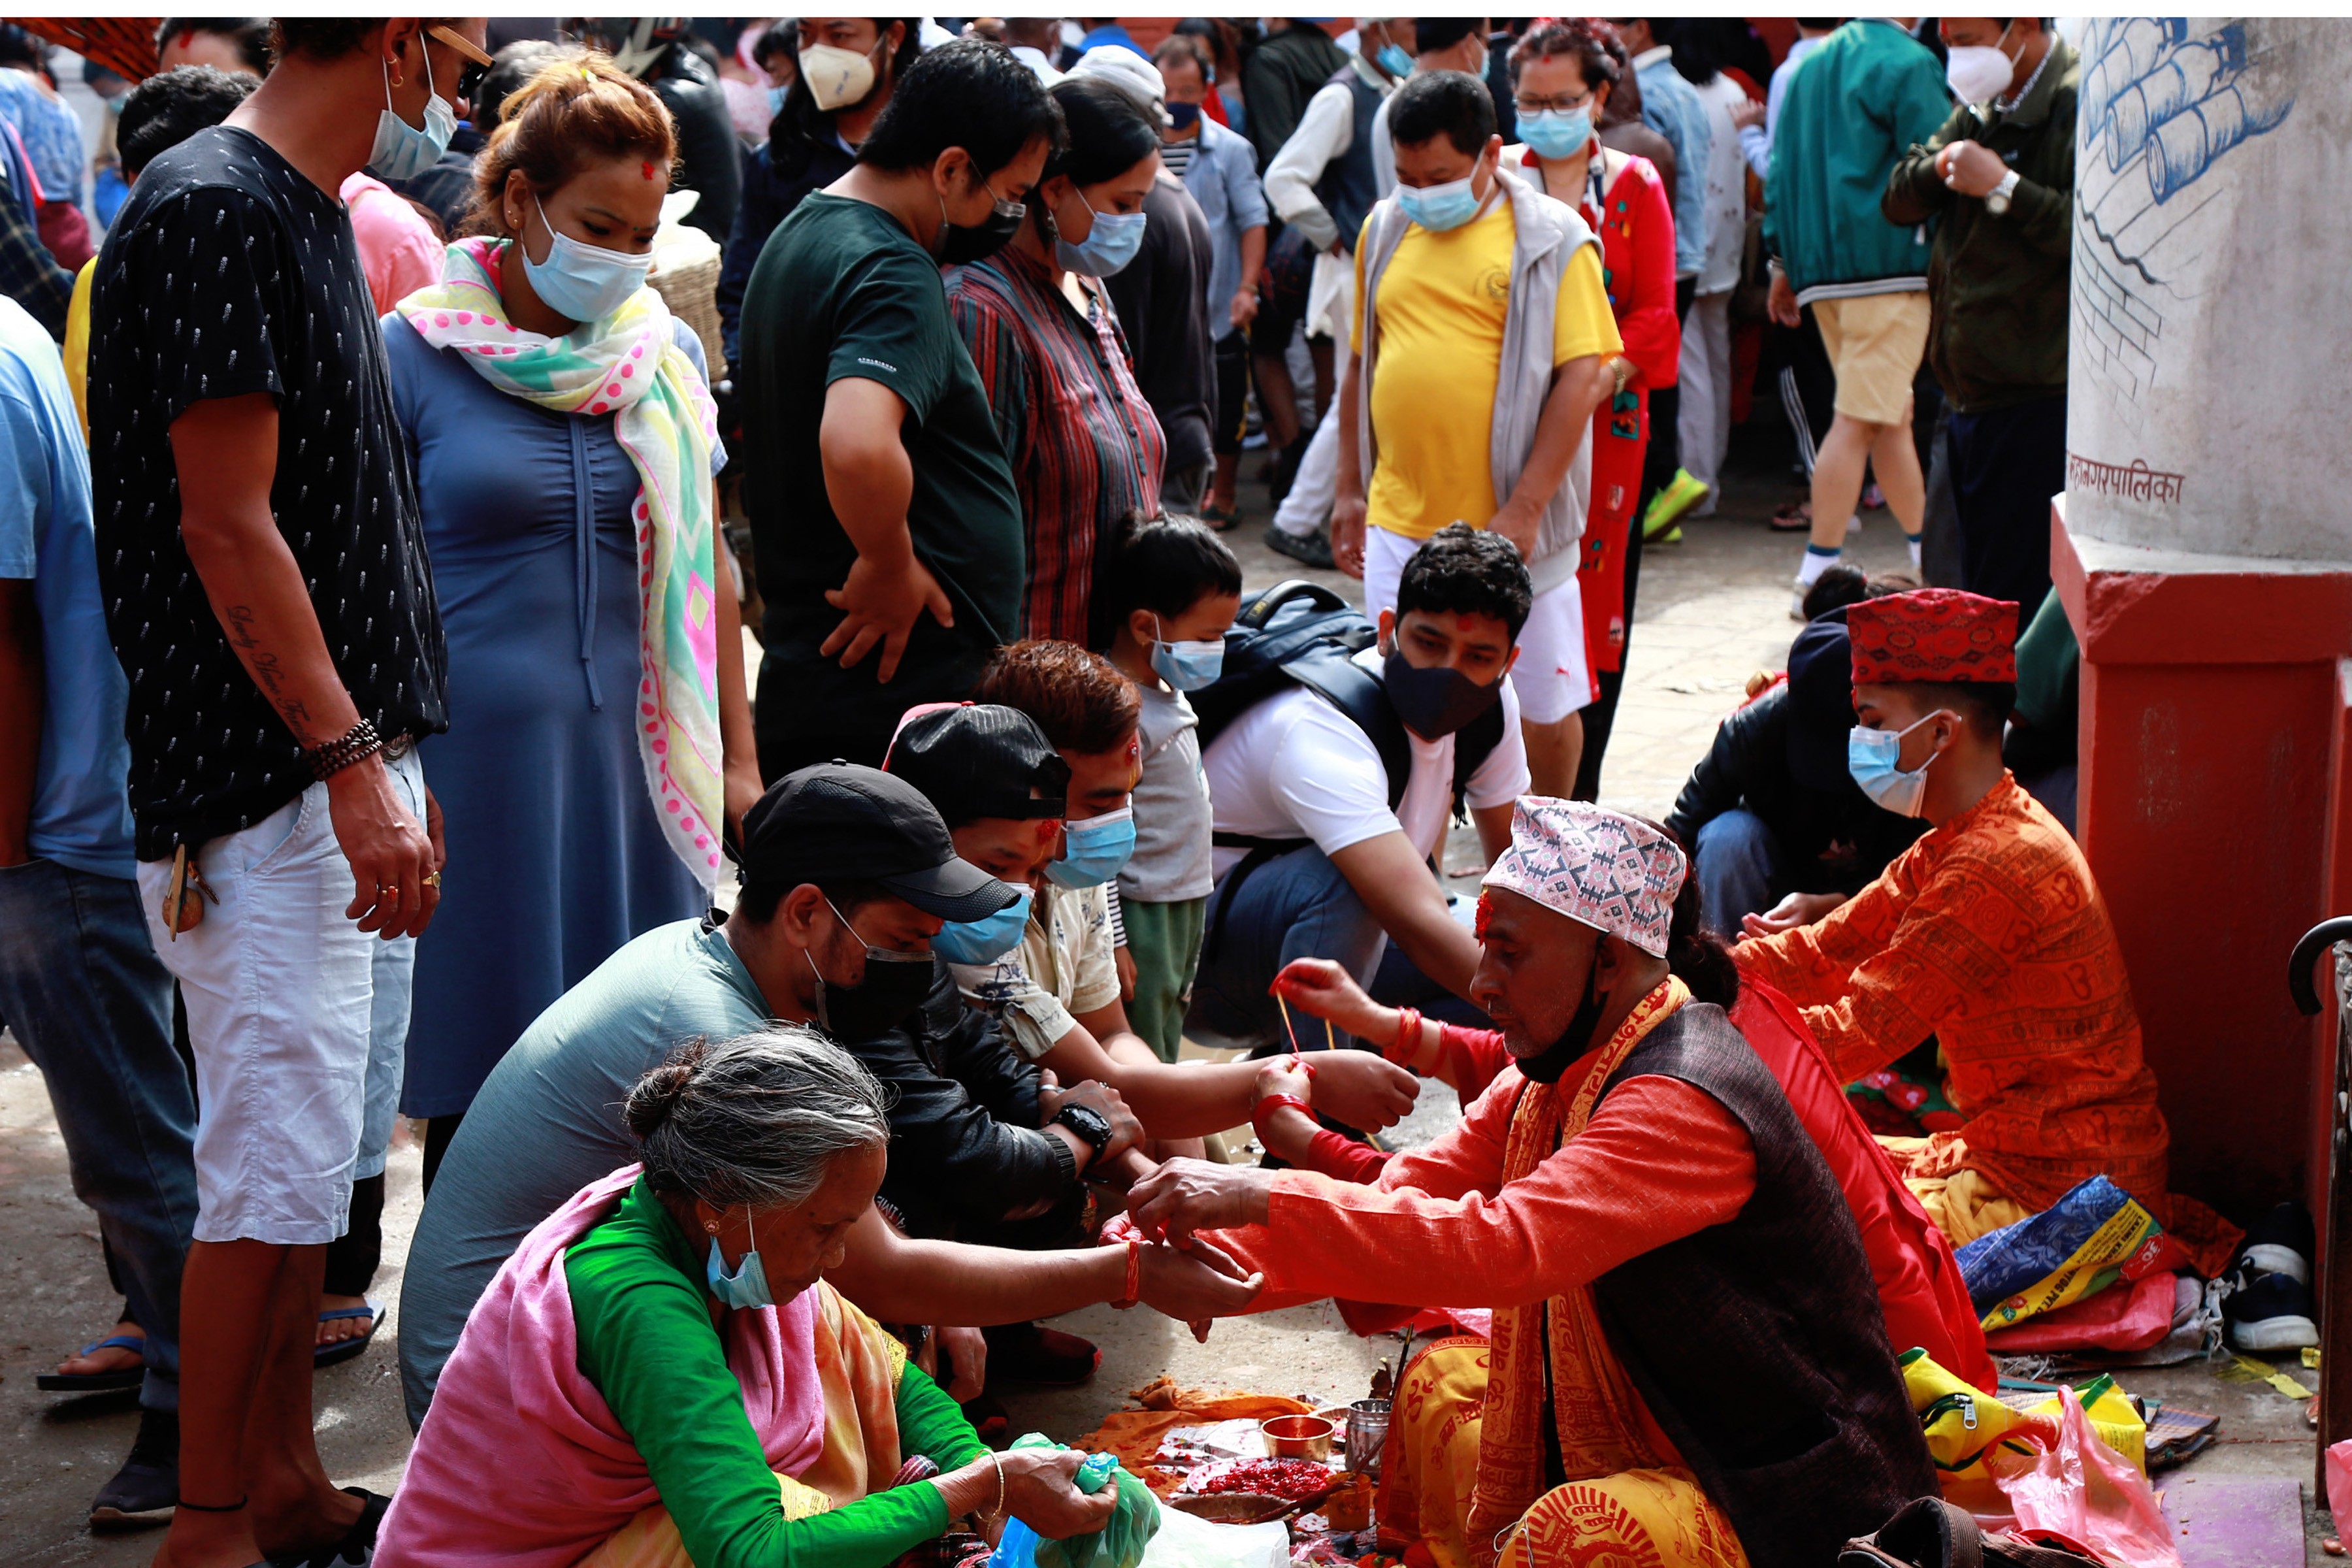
(1120, 1544)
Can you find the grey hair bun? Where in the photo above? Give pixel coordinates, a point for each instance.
(756, 1119)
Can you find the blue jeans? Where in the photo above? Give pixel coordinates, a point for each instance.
(1740, 869)
(81, 989)
(1297, 905)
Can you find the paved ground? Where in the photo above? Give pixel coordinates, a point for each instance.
(1712, 610)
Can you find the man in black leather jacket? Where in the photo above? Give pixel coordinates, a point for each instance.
(709, 158)
(1779, 833)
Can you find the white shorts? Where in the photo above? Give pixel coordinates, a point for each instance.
(289, 1002)
(1552, 676)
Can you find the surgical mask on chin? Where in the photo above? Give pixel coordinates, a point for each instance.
(1433, 704)
(586, 282)
(837, 78)
(748, 1286)
(894, 986)
(1440, 207)
(1094, 850)
(1187, 666)
(1977, 72)
(961, 245)
(1395, 61)
(1108, 247)
(402, 151)
(1556, 134)
(1871, 757)
(984, 941)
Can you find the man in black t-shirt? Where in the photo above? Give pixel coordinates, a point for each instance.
(266, 591)
(888, 537)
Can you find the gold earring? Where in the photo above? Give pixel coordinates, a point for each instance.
(710, 1229)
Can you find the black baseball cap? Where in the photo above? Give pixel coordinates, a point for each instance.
(976, 759)
(1820, 703)
(838, 822)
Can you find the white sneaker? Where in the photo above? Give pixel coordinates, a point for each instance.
(1796, 600)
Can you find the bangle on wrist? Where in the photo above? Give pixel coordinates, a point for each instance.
(998, 1511)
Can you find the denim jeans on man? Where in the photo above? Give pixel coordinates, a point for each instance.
(1740, 869)
(80, 989)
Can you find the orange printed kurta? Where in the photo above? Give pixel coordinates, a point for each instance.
(1989, 934)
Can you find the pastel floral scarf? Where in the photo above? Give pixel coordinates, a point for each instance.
(629, 367)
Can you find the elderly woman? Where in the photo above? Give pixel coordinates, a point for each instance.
(660, 1375)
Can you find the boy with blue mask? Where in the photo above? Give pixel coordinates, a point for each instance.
(1174, 590)
(1988, 934)
(1482, 338)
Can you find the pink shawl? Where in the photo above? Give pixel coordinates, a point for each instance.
(521, 1463)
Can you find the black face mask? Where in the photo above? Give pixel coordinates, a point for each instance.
(1547, 1065)
(960, 244)
(1433, 704)
(894, 984)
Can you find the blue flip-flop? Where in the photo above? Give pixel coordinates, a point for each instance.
(344, 1349)
(98, 1382)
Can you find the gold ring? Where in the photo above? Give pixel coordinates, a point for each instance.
(432, 881)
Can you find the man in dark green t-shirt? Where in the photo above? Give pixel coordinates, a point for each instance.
(888, 535)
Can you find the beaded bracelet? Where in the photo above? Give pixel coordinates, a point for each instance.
(360, 742)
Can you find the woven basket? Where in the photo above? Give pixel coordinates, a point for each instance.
(690, 288)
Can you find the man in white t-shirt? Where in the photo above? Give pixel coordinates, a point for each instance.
(1329, 868)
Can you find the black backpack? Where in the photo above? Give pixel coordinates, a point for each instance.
(1301, 634)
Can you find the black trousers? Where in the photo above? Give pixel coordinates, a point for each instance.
(2006, 465)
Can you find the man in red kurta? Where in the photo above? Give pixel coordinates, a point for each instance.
(1989, 934)
(1636, 1187)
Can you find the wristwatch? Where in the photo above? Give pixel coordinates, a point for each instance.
(1088, 1123)
(1997, 199)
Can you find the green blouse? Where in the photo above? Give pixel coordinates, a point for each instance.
(647, 1344)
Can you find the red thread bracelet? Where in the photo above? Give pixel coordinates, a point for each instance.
(1134, 1275)
(1408, 1040)
(1271, 1103)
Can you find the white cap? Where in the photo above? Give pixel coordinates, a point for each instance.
(1130, 72)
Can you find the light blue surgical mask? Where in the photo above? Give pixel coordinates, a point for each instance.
(1108, 247)
(1093, 851)
(402, 151)
(1394, 61)
(586, 282)
(1556, 134)
(748, 1286)
(1187, 666)
(1871, 757)
(984, 941)
(1440, 207)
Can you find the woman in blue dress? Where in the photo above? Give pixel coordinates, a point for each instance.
(563, 444)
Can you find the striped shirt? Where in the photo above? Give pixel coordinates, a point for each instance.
(1085, 447)
(1176, 157)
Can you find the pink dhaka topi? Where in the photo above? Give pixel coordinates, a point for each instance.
(1613, 872)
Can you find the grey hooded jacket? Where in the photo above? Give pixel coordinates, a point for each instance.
(1547, 233)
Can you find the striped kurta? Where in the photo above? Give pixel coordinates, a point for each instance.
(1087, 450)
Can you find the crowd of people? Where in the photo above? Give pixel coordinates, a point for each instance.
(788, 1044)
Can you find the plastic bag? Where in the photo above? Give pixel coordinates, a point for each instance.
(2086, 1492)
(1184, 1541)
(1118, 1545)
(2339, 1486)
(2091, 1236)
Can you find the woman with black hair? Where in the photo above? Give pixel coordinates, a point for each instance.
(844, 69)
(1087, 450)
(884, 517)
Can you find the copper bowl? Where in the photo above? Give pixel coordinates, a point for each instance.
(1299, 1436)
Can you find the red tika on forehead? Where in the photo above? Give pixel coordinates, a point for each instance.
(648, 168)
(1485, 914)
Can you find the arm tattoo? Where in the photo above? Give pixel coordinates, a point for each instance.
(267, 672)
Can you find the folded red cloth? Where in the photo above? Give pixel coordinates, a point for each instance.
(2130, 1315)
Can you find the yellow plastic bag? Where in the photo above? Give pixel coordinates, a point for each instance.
(1972, 1437)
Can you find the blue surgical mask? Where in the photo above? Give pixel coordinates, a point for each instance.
(1871, 756)
(1555, 133)
(1093, 851)
(402, 151)
(1394, 61)
(1187, 666)
(1109, 246)
(1440, 207)
(586, 282)
(748, 1286)
(984, 941)
(1182, 117)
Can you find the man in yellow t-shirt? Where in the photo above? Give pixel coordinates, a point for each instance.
(1441, 305)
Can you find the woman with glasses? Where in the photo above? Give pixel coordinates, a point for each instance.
(1561, 76)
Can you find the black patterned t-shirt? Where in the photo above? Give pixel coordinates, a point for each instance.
(229, 272)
